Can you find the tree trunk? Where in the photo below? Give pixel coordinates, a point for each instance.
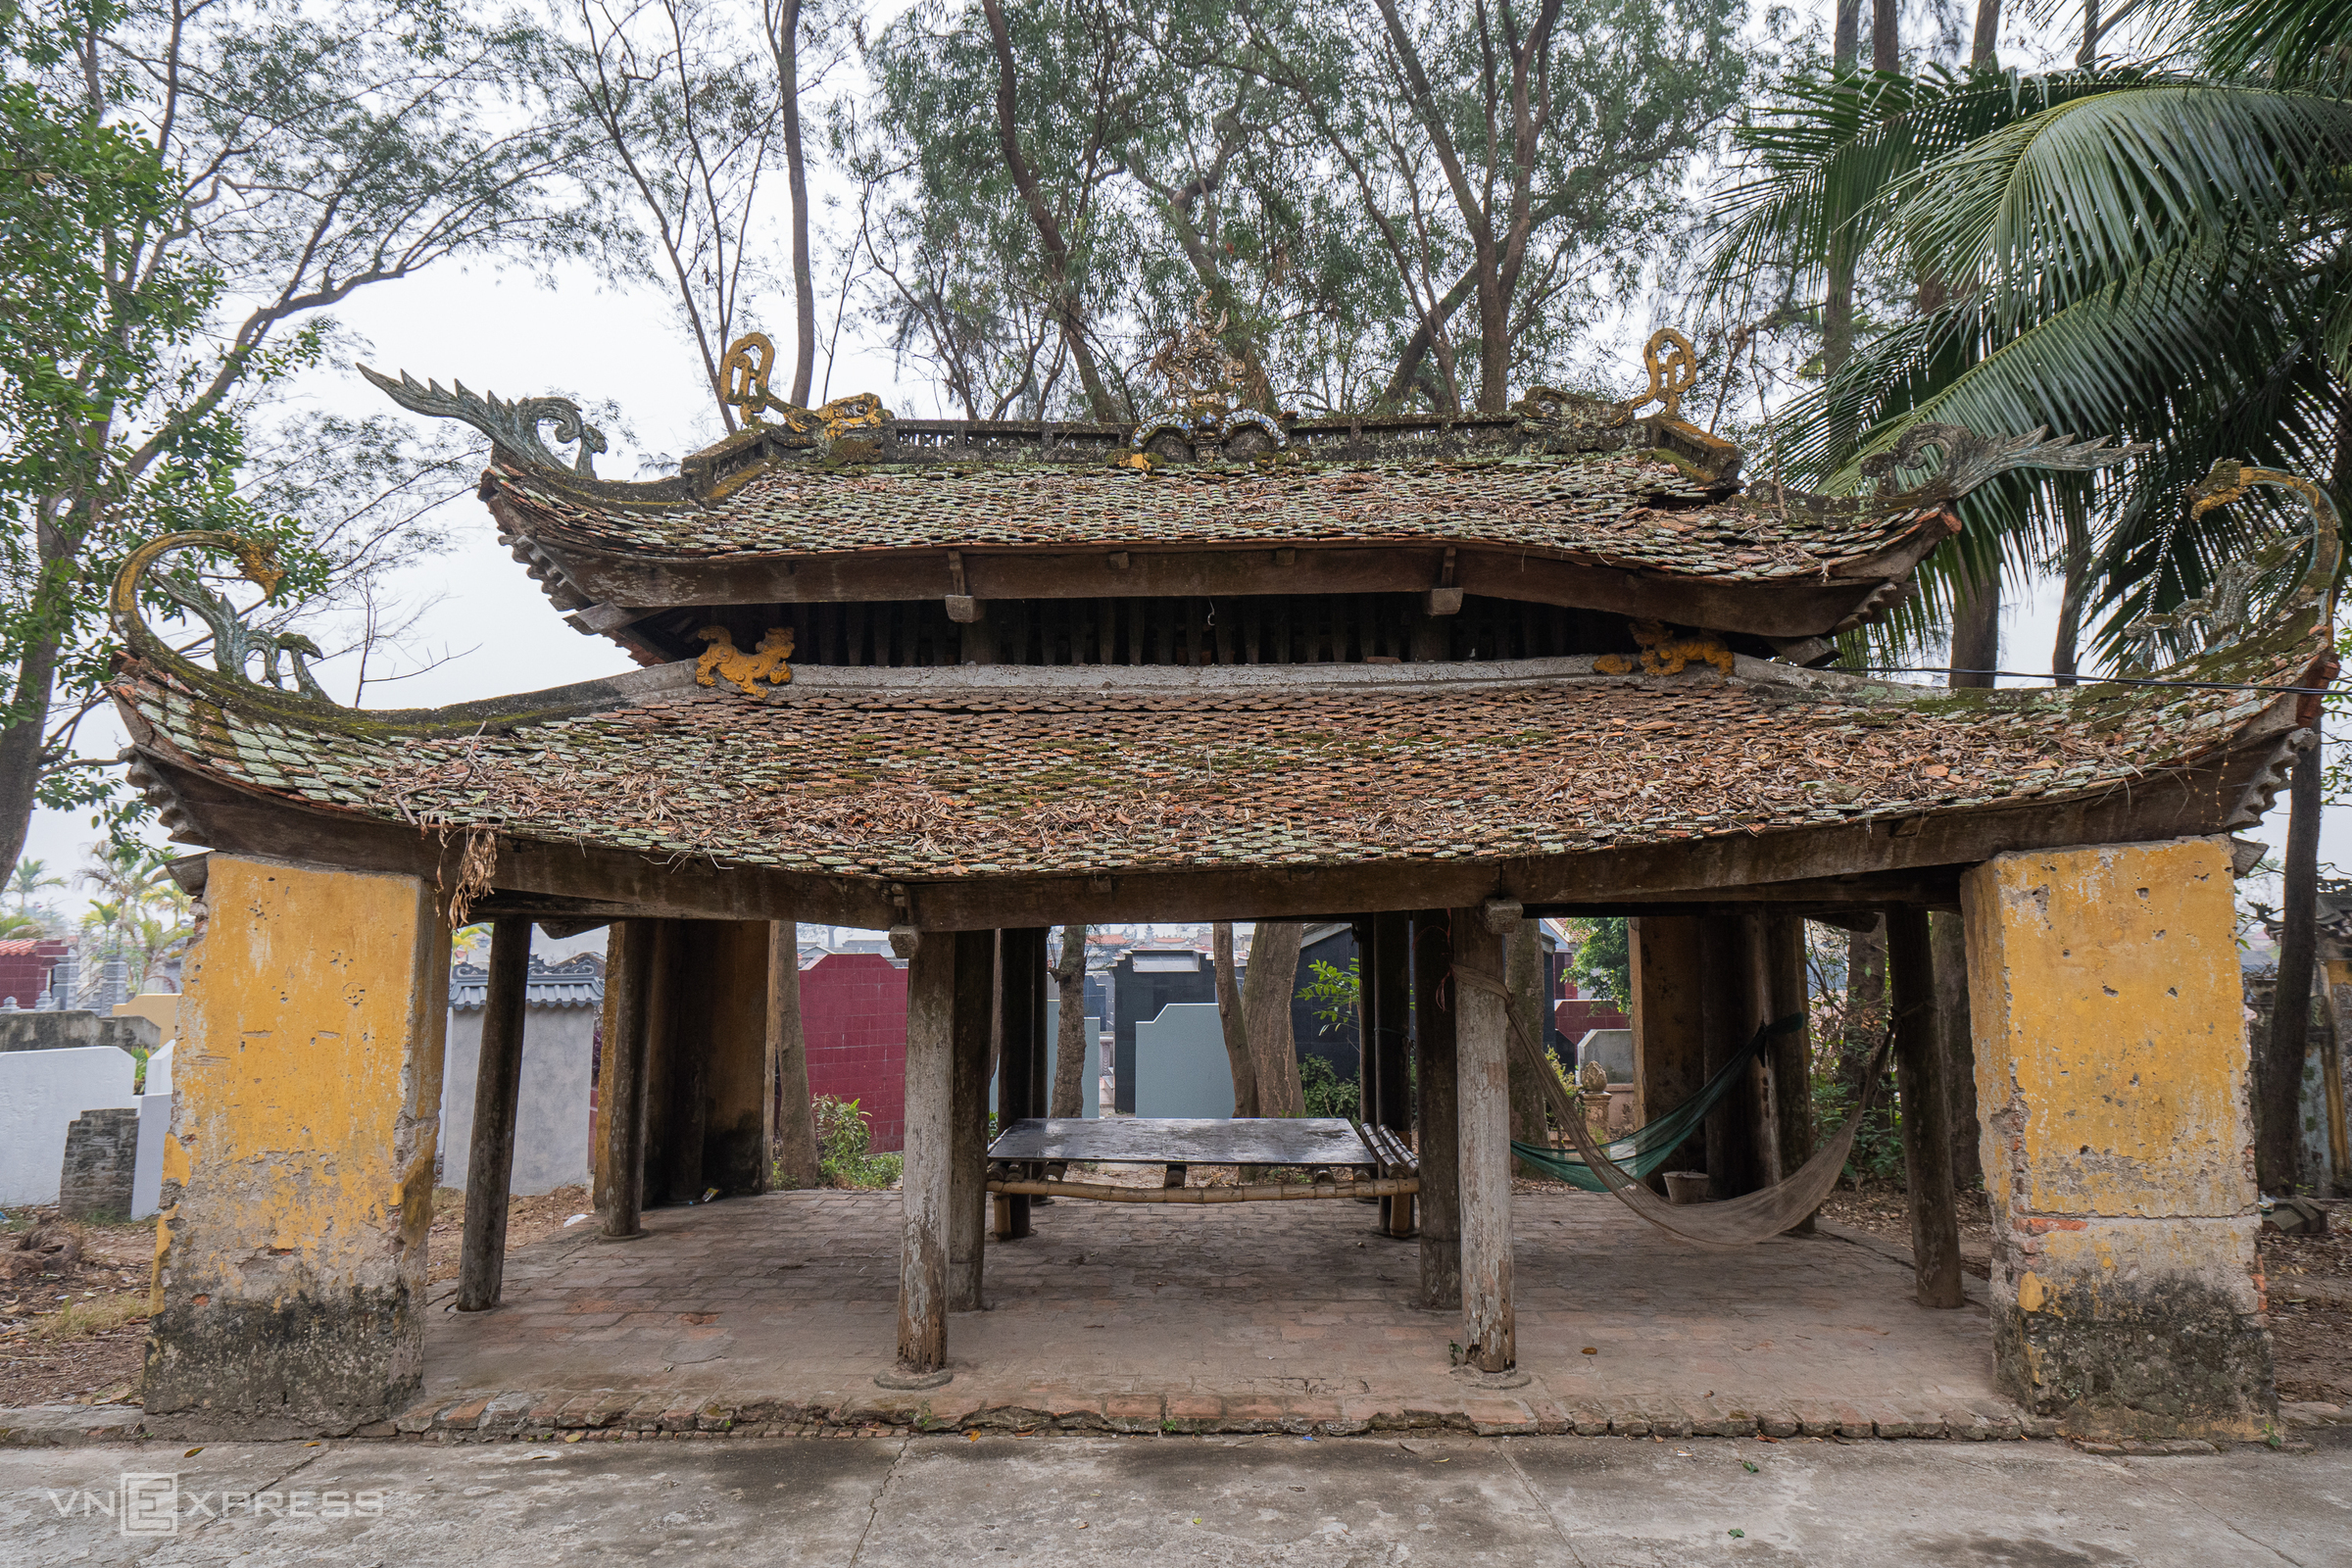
(2279, 1078)
(2066, 648)
(1523, 974)
(1865, 1014)
(1977, 628)
(2088, 55)
(786, 42)
(1846, 47)
(1069, 1025)
(1063, 295)
(1266, 1016)
(793, 1147)
(1230, 1016)
(1986, 56)
(20, 746)
(1885, 44)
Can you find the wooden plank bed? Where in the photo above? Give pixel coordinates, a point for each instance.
(1376, 1162)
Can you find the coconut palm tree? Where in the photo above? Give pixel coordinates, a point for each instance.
(2153, 251)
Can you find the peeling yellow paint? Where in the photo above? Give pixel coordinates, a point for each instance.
(309, 1079)
(2109, 1016)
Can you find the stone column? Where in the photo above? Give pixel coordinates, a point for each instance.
(1021, 1088)
(1790, 1054)
(1386, 983)
(298, 1180)
(2112, 1085)
(620, 1096)
(497, 1088)
(1482, 1051)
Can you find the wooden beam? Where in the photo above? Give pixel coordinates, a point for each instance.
(1490, 1338)
(1790, 1054)
(1386, 977)
(967, 1135)
(1440, 1135)
(1021, 1054)
(1787, 609)
(1669, 1025)
(629, 973)
(922, 1359)
(496, 1085)
(1728, 1004)
(792, 1125)
(1919, 1078)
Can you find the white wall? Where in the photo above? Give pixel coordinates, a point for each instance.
(40, 1092)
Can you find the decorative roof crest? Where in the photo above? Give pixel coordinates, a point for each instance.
(236, 643)
(744, 376)
(514, 426)
(1205, 386)
(2229, 610)
(1669, 377)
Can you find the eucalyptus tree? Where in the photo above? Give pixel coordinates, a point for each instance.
(214, 177)
(1516, 167)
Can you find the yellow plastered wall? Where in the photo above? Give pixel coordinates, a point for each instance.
(309, 1085)
(2111, 1057)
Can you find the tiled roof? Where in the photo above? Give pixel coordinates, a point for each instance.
(576, 982)
(961, 773)
(1628, 509)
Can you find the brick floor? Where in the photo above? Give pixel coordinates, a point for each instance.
(1293, 1316)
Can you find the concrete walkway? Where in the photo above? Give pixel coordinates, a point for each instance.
(777, 1312)
(929, 1500)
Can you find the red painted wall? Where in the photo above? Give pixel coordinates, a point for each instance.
(24, 965)
(854, 1017)
(1577, 1014)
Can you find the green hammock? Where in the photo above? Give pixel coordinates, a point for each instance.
(1647, 1148)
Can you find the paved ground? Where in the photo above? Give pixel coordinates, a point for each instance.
(930, 1500)
(784, 1307)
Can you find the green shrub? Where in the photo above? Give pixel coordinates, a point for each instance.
(1327, 1094)
(845, 1143)
(1877, 1158)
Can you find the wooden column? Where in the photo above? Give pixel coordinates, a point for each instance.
(1919, 1078)
(1728, 1004)
(496, 1085)
(1367, 1070)
(1386, 969)
(1947, 939)
(674, 1141)
(1440, 1138)
(1021, 1054)
(620, 1100)
(724, 1010)
(1669, 1025)
(1490, 1342)
(923, 1192)
(1790, 1054)
(967, 1135)
(792, 1126)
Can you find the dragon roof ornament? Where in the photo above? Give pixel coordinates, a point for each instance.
(1205, 387)
(512, 426)
(236, 643)
(2234, 605)
(743, 376)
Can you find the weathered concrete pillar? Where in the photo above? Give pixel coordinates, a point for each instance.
(298, 1180)
(1669, 1023)
(1482, 1051)
(2112, 1084)
(967, 1136)
(922, 1361)
(1440, 1135)
(792, 1131)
